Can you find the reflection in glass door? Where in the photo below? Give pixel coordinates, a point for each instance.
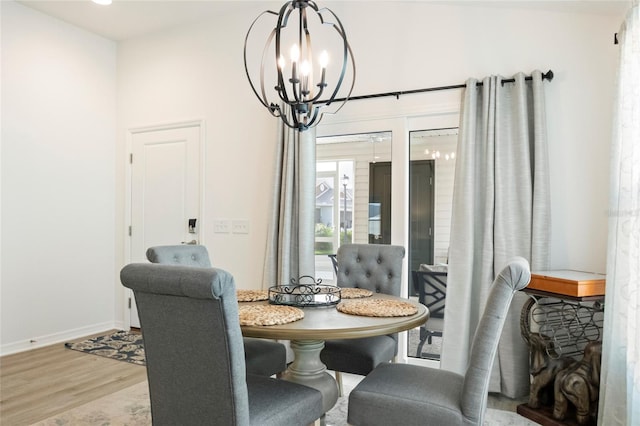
(380, 202)
(421, 212)
(432, 164)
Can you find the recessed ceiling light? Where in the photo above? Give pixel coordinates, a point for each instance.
(102, 2)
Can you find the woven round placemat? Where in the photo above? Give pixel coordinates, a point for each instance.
(377, 308)
(354, 293)
(269, 314)
(252, 295)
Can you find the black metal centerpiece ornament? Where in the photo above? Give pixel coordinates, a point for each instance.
(305, 292)
(288, 88)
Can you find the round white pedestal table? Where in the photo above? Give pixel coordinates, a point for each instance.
(307, 338)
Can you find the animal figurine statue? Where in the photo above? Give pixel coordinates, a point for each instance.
(543, 369)
(579, 384)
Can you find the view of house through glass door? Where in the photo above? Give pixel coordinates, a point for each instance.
(353, 194)
(333, 212)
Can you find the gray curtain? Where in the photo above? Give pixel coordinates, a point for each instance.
(290, 241)
(500, 209)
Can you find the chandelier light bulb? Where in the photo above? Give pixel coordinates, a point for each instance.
(305, 68)
(324, 59)
(281, 62)
(295, 53)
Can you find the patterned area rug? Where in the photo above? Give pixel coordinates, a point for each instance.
(130, 407)
(121, 345)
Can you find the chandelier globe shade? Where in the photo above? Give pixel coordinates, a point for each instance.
(299, 63)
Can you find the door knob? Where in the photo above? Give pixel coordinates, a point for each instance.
(192, 242)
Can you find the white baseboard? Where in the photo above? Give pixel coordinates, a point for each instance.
(60, 337)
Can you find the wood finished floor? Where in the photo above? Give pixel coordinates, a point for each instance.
(40, 383)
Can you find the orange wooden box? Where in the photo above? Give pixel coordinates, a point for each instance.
(568, 282)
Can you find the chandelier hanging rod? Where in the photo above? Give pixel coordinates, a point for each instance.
(546, 76)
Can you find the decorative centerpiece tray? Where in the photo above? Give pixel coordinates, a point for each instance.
(306, 291)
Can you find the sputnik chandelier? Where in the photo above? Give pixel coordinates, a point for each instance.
(289, 87)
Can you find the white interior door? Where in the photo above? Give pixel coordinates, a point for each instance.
(165, 191)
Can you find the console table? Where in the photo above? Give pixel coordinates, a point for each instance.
(568, 308)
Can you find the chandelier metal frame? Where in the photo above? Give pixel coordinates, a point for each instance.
(296, 101)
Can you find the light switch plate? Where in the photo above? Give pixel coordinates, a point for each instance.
(221, 226)
(240, 226)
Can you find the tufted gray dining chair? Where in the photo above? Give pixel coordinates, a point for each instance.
(375, 267)
(194, 349)
(408, 395)
(263, 357)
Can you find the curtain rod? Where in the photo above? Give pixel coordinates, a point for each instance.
(546, 76)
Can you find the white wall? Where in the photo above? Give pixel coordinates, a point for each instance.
(58, 180)
(63, 221)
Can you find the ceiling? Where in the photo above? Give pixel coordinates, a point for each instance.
(125, 19)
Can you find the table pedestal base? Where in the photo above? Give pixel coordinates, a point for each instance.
(307, 369)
